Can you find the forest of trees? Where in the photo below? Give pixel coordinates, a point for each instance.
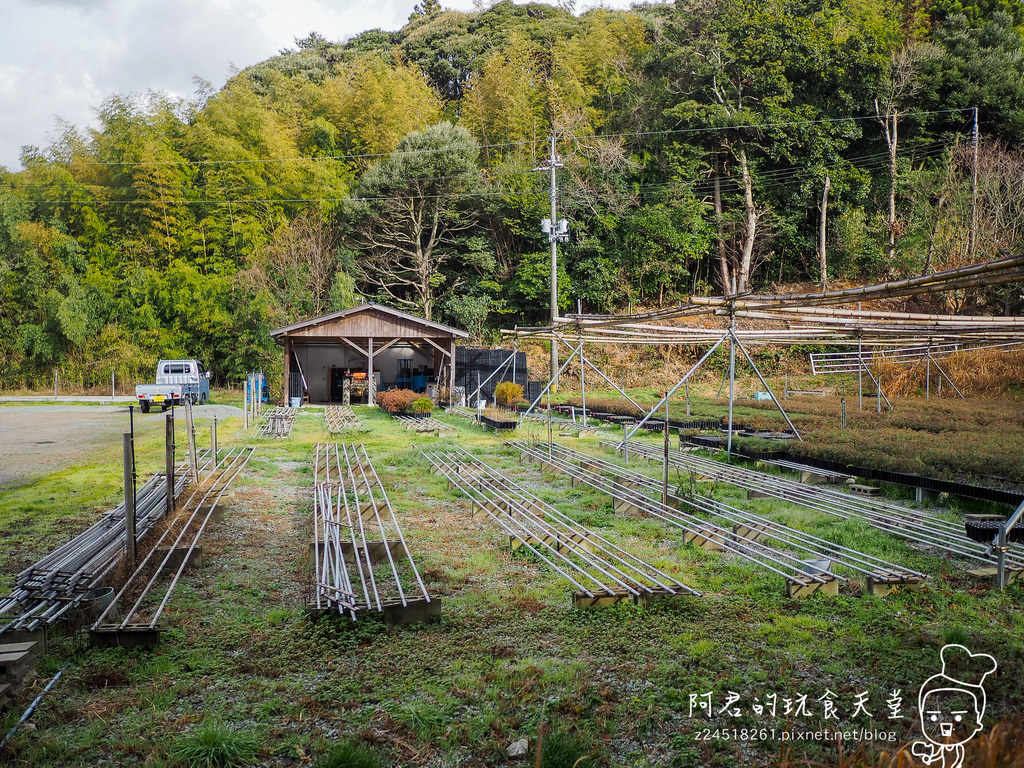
(706, 146)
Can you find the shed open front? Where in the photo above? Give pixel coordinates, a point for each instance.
(369, 348)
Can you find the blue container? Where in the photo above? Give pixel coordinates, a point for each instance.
(419, 382)
(296, 402)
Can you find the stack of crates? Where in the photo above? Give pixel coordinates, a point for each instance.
(17, 663)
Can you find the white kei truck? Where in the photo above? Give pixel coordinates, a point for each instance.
(176, 382)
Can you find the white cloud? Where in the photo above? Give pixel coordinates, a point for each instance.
(62, 58)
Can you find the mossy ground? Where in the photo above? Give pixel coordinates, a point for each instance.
(509, 652)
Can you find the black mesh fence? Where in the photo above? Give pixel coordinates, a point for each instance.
(475, 366)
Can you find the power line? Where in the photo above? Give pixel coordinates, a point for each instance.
(568, 137)
(771, 179)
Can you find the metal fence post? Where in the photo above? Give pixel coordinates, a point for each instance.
(129, 499)
(169, 459)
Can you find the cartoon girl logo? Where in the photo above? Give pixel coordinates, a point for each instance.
(952, 704)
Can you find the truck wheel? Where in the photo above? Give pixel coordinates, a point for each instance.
(164, 406)
(144, 405)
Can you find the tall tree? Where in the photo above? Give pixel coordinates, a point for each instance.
(412, 217)
(901, 83)
(761, 81)
(373, 102)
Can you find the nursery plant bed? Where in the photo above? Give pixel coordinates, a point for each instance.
(499, 425)
(972, 491)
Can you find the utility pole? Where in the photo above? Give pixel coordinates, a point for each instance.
(557, 231)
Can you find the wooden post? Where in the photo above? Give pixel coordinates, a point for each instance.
(451, 374)
(370, 394)
(287, 368)
(245, 400)
(190, 428)
(129, 499)
(169, 459)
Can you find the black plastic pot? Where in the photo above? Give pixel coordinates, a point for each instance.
(985, 531)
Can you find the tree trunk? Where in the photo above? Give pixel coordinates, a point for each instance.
(723, 258)
(891, 139)
(750, 226)
(934, 233)
(424, 287)
(822, 225)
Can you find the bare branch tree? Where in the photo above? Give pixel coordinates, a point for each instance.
(414, 210)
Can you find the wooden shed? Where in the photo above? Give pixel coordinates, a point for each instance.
(369, 345)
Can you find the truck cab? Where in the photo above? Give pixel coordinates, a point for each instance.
(176, 382)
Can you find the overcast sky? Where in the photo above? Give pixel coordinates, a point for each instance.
(62, 58)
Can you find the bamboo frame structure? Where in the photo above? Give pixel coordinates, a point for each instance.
(811, 317)
(805, 318)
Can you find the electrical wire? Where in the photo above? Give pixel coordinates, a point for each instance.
(530, 142)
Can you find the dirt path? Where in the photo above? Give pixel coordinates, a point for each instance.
(38, 439)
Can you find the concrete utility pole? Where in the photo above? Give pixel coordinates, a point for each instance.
(556, 231)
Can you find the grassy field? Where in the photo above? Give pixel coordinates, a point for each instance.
(246, 676)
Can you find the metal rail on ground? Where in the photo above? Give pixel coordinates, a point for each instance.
(341, 417)
(425, 424)
(277, 422)
(350, 577)
(879, 575)
(600, 571)
(563, 425)
(794, 466)
(916, 526)
(802, 576)
(178, 556)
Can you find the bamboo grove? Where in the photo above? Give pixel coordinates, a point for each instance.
(705, 147)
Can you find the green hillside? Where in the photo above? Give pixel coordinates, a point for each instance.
(697, 141)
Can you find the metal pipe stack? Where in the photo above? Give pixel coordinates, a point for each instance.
(60, 581)
(353, 571)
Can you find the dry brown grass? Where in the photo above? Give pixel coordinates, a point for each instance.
(1001, 746)
(982, 373)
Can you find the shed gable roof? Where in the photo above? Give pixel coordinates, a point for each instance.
(355, 322)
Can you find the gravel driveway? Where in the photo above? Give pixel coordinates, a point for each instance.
(38, 439)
